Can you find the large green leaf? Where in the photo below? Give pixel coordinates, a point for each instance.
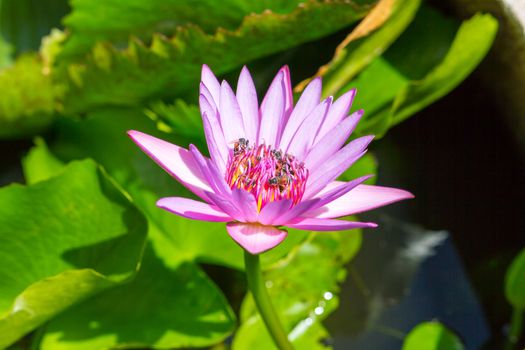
(515, 282)
(62, 240)
(27, 101)
(175, 62)
(429, 60)
(432, 336)
(116, 20)
(303, 288)
(161, 308)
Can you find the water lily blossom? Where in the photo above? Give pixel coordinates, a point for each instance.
(271, 165)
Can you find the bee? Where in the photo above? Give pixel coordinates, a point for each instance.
(240, 145)
(277, 154)
(274, 181)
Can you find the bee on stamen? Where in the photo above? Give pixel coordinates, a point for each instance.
(273, 181)
(277, 154)
(240, 145)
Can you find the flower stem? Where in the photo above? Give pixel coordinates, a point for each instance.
(262, 300)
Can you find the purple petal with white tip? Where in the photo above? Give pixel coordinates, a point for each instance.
(192, 209)
(309, 99)
(316, 224)
(273, 112)
(332, 141)
(245, 202)
(336, 165)
(360, 199)
(177, 161)
(212, 84)
(247, 97)
(306, 133)
(230, 115)
(337, 113)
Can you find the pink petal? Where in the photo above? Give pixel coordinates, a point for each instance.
(230, 115)
(177, 161)
(360, 199)
(336, 165)
(245, 201)
(273, 210)
(339, 191)
(203, 90)
(256, 238)
(337, 112)
(296, 211)
(227, 205)
(288, 93)
(307, 102)
(214, 137)
(273, 112)
(247, 98)
(332, 142)
(212, 84)
(192, 209)
(211, 172)
(306, 133)
(316, 224)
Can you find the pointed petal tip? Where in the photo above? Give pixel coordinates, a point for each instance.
(285, 69)
(256, 238)
(206, 68)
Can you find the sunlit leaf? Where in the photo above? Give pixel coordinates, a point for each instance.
(429, 60)
(368, 40)
(303, 288)
(515, 282)
(432, 336)
(116, 20)
(62, 240)
(472, 42)
(175, 62)
(161, 308)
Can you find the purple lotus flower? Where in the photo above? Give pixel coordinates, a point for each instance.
(271, 165)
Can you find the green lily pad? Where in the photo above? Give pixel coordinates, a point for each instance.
(432, 336)
(63, 240)
(515, 282)
(161, 308)
(303, 289)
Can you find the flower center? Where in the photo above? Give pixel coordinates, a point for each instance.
(267, 173)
